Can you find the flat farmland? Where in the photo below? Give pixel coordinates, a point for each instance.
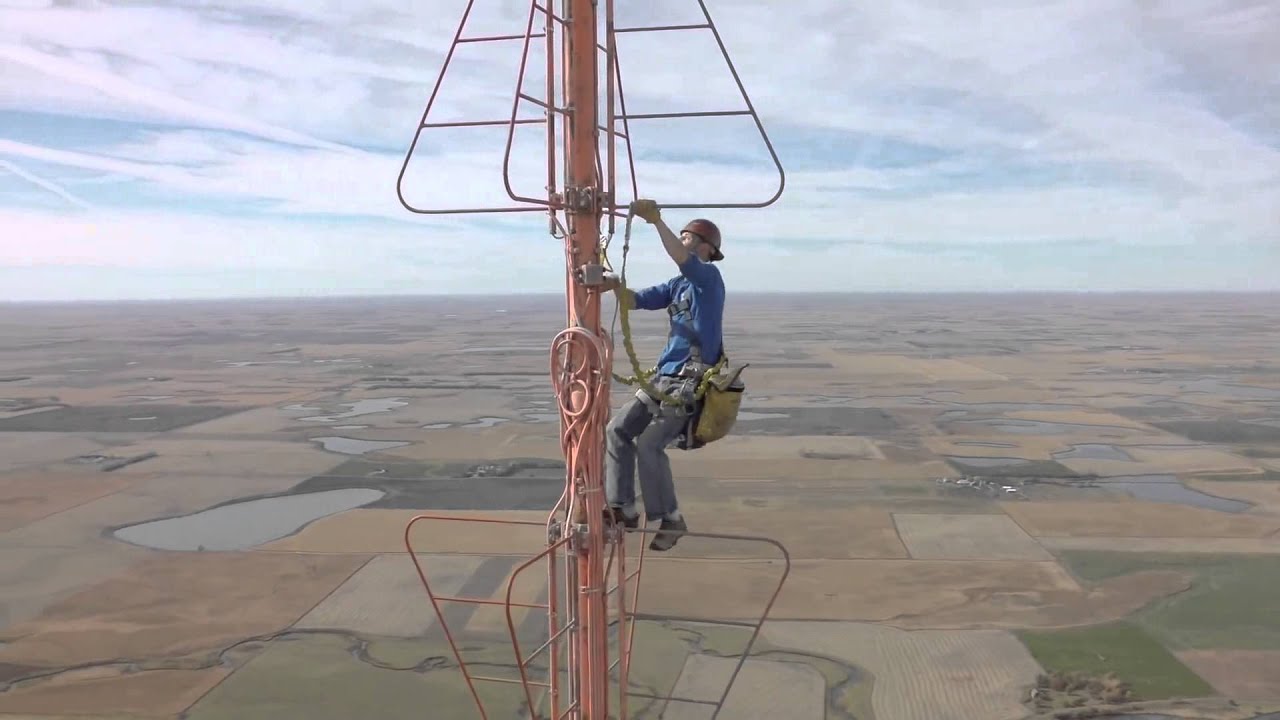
(203, 508)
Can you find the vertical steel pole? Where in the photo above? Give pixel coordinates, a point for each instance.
(582, 198)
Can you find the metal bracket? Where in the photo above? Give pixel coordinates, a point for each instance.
(578, 542)
(580, 199)
(590, 274)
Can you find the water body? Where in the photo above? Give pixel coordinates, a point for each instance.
(251, 363)
(1040, 427)
(501, 348)
(899, 401)
(353, 446)
(243, 525)
(1093, 451)
(1002, 407)
(1217, 386)
(817, 399)
(485, 422)
(981, 443)
(749, 415)
(1167, 489)
(358, 408)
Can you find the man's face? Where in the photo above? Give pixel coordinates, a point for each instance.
(694, 243)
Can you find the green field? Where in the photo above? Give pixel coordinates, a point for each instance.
(1123, 649)
(1233, 602)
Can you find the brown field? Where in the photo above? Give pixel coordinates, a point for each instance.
(1137, 519)
(261, 460)
(1224, 546)
(1243, 674)
(763, 689)
(1264, 495)
(973, 675)
(934, 536)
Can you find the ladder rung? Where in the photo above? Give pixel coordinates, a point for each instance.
(709, 113)
(543, 105)
(547, 644)
(478, 123)
(553, 16)
(542, 207)
(627, 578)
(535, 683)
(492, 38)
(660, 28)
(487, 601)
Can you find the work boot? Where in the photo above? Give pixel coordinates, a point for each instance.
(668, 534)
(616, 516)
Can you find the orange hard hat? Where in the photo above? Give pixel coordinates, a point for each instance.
(708, 231)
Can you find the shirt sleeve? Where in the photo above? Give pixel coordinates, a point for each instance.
(654, 297)
(700, 273)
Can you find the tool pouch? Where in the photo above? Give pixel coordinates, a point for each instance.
(716, 411)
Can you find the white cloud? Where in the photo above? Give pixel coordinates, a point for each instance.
(1131, 126)
(170, 106)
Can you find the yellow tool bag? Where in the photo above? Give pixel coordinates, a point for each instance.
(717, 408)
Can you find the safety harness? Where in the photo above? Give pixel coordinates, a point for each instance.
(717, 397)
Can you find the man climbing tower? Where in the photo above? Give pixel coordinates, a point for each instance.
(639, 433)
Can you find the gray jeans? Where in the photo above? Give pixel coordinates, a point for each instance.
(635, 438)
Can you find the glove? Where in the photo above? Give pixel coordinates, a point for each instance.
(647, 210)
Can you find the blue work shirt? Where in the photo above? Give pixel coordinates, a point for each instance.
(701, 284)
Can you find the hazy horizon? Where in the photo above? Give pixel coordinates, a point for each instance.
(551, 297)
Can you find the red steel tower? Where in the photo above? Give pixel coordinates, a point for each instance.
(581, 355)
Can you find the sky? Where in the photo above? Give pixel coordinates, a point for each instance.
(183, 149)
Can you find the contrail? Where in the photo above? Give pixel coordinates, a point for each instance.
(46, 184)
(93, 162)
(196, 113)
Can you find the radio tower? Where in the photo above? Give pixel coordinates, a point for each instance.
(581, 354)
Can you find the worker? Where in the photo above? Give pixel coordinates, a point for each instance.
(640, 432)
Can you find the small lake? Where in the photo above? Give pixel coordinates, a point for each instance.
(247, 524)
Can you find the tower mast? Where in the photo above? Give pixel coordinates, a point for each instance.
(580, 544)
(584, 448)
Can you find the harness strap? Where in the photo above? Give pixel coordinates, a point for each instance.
(642, 378)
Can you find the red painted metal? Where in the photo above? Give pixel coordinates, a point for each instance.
(581, 552)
